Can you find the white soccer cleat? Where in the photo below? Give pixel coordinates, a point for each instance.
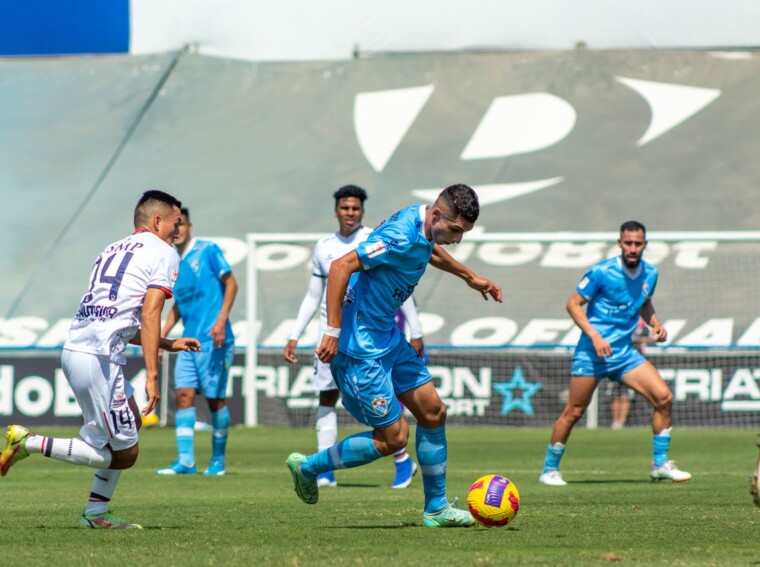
(552, 478)
(669, 471)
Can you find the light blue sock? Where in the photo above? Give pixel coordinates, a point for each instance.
(220, 426)
(660, 446)
(185, 420)
(353, 451)
(432, 454)
(553, 457)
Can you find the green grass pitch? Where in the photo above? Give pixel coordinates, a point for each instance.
(610, 512)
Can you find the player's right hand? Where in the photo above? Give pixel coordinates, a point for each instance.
(327, 349)
(290, 351)
(153, 393)
(602, 347)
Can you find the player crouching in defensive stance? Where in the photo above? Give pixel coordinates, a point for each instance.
(375, 368)
(618, 291)
(128, 286)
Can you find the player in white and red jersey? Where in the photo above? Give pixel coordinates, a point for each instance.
(349, 210)
(129, 283)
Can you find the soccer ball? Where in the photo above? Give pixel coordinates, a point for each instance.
(493, 500)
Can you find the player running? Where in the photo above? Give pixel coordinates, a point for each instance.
(374, 367)
(128, 285)
(618, 291)
(349, 210)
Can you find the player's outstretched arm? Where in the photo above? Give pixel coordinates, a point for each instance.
(446, 262)
(186, 344)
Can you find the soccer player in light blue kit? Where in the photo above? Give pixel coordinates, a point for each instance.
(204, 293)
(373, 364)
(618, 291)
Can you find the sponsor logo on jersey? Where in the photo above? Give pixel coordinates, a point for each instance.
(583, 284)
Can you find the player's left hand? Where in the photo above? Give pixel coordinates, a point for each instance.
(486, 288)
(659, 333)
(327, 349)
(185, 343)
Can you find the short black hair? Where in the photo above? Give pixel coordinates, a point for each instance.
(350, 191)
(633, 226)
(462, 201)
(149, 200)
(185, 211)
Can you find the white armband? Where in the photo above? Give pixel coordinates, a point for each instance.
(332, 332)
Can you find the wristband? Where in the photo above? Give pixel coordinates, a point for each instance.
(332, 332)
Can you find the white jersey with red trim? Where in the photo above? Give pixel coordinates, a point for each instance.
(110, 313)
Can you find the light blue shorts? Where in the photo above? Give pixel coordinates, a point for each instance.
(370, 387)
(205, 371)
(624, 359)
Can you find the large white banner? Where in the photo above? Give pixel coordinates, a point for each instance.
(338, 29)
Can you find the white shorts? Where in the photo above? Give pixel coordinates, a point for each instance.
(323, 378)
(103, 395)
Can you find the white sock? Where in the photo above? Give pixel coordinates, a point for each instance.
(400, 456)
(103, 486)
(327, 427)
(74, 451)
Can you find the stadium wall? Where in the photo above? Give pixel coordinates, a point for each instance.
(485, 387)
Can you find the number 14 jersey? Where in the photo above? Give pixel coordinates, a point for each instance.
(110, 313)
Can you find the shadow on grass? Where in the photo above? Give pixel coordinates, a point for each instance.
(613, 481)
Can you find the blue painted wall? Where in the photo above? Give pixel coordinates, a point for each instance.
(56, 27)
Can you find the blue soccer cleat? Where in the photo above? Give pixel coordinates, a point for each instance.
(215, 467)
(176, 468)
(405, 471)
(327, 479)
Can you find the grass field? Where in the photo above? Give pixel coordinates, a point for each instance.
(609, 513)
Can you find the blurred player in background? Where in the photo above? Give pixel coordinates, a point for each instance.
(203, 298)
(349, 210)
(618, 291)
(128, 285)
(621, 397)
(375, 368)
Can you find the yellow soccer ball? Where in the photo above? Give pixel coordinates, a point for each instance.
(493, 500)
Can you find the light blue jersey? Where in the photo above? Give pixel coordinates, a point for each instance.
(199, 291)
(394, 258)
(615, 297)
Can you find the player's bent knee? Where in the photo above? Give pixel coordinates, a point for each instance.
(124, 459)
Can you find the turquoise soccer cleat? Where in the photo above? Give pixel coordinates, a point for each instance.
(449, 517)
(176, 468)
(215, 467)
(307, 489)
